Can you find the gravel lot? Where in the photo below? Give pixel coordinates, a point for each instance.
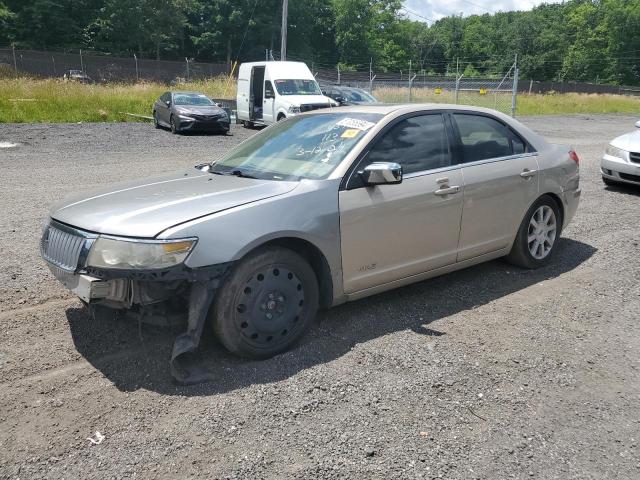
(488, 373)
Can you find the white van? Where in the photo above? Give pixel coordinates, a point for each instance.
(271, 91)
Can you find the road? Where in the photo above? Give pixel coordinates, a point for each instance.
(490, 373)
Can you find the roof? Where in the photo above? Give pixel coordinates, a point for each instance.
(387, 108)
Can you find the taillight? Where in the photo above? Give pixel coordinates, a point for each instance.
(574, 156)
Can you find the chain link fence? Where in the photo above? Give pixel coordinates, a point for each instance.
(104, 69)
(496, 93)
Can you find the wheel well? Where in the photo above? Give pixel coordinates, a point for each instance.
(316, 259)
(560, 206)
(281, 116)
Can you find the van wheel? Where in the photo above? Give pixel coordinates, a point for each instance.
(267, 304)
(281, 116)
(538, 234)
(247, 124)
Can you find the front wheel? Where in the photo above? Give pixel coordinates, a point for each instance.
(537, 235)
(267, 304)
(172, 125)
(156, 124)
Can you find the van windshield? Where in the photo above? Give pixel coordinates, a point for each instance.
(307, 146)
(297, 87)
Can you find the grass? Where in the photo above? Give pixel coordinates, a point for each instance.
(25, 100)
(533, 104)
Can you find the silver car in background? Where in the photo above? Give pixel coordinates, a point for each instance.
(314, 211)
(621, 160)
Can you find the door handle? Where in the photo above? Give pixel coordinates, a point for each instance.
(526, 173)
(447, 190)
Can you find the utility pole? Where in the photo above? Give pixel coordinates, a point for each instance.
(338, 74)
(283, 33)
(137, 72)
(514, 94)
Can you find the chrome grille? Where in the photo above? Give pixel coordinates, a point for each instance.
(634, 157)
(61, 248)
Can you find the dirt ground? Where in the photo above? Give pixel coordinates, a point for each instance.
(488, 373)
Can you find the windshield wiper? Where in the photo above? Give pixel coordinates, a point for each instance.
(235, 173)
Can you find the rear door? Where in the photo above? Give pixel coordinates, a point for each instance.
(162, 110)
(389, 232)
(500, 172)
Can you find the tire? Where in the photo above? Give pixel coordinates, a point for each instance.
(172, 125)
(267, 303)
(247, 124)
(609, 183)
(544, 237)
(281, 116)
(155, 120)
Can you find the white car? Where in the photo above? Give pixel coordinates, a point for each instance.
(621, 160)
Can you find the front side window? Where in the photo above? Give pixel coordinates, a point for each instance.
(268, 89)
(297, 87)
(484, 138)
(307, 146)
(417, 143)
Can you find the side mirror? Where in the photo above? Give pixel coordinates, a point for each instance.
(382, 173)
(168, 103)
(638, 124)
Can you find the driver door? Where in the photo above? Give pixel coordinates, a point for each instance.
(390, 232)
(268, 115)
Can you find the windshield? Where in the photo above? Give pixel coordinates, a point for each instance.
(191, 99)
(308, 146)
(358, 96)
(297, 87)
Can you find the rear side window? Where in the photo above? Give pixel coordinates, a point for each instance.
(485, 138)
(417, 143)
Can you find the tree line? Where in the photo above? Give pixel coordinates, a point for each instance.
(584, 40)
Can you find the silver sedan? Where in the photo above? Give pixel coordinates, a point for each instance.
(314, 211)
(621, 160)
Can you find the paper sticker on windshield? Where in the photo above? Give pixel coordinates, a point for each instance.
(350, 133)
(355, 123)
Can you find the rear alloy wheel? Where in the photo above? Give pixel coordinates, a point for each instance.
(267, 303)
(537, 235)
(172, 125)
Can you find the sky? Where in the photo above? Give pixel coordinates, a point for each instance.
(431, 10)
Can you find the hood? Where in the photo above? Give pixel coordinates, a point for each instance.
(201, 110)
(307, 99)
(147, 207)
(629, 141)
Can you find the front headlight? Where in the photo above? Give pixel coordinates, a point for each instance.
(141, 254)
(615, 152)
(294, 109)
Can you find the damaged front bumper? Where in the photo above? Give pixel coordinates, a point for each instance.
(139, 291)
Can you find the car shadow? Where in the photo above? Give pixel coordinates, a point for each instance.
(136, 356)
(624, 188)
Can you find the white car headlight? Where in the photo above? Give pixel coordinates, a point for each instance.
(122, 253)
(294, 109)
(615, 152)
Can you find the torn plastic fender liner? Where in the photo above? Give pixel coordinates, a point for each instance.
(200, 299)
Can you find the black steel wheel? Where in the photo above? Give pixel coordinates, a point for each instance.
(268, 302)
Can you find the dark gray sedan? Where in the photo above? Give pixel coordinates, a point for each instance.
(189, 111)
